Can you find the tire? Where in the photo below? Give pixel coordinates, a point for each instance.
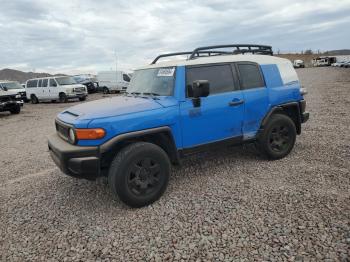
(34, 99)
(105, 90)
(139, 174)
(278, 137)
(15, 110)
(63, 98)
(82, 98)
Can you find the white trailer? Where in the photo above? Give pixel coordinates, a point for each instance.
(113, 81)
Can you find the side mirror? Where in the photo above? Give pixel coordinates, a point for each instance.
(5, 88)
(200, 88)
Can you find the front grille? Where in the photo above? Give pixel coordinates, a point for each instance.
(62, 129)
(5, 99)
(79, 89)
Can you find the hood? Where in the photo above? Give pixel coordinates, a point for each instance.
(17, 90)
(108, 107)
(7, 93)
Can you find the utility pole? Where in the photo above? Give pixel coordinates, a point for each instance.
(116, 60)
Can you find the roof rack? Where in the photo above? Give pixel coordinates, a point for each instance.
(208, 50)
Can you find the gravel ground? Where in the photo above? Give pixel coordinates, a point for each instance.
(227, 205)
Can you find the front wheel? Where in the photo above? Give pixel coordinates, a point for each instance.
(139, 174)
(63, 98)
(105, 90)
(34, 99)
(278, 137)
(15, 110)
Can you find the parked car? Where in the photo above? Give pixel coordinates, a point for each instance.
(87, 80)
(9, 101)
(113, 81)
(16, 87)
(60, 88)
(345, 64)
(336, 64)
(177, 108)
(298, 64)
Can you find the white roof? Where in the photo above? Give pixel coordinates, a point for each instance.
(259, 59)
(46, 77)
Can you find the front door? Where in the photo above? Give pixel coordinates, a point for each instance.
(54, 92)
(220, 115)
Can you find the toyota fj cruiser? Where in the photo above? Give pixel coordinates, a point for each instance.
(219, 95)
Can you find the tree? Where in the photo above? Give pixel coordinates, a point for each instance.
(308, 52)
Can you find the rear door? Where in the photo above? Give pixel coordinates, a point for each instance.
(255, 94)
(220, 115)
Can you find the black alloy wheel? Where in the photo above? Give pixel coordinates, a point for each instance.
(143, 177)
(139, 174)
(280, 139)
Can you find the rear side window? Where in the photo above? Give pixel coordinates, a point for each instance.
(219, 76)
(250, 76)
(44, 83)
(39, 83)
(32, 83)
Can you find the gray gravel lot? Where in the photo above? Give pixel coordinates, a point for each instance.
(225, 205)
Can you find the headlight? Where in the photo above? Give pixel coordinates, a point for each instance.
(72, 136)
(18, 96)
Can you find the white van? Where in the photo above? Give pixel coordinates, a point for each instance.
(59, 88)
(113, 81)
(298, 63)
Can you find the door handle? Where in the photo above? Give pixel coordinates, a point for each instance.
(236, 102)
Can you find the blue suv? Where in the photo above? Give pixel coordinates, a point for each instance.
(218, 96)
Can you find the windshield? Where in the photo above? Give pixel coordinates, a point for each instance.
(12, 85)
(84, 79)
(68, 80)
(157, 81)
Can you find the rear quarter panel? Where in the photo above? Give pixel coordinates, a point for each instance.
(281, 88)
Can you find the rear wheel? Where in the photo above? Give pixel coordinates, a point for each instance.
(63, 98)
(16, 109)
(278, 137)
(139, 174)
(34, 99)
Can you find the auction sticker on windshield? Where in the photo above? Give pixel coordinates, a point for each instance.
(166, 71)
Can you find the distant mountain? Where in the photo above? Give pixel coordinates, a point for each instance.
(338, 52)
(16, 75)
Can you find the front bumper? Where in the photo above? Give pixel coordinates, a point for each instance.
(8, 105)
(76, 161)
(75, 95)
(304, 117)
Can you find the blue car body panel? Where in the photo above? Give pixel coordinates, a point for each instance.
(191, 126)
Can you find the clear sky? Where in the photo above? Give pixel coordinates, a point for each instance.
(71, 36)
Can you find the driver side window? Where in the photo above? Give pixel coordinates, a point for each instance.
(220, 78)
(52, 82)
